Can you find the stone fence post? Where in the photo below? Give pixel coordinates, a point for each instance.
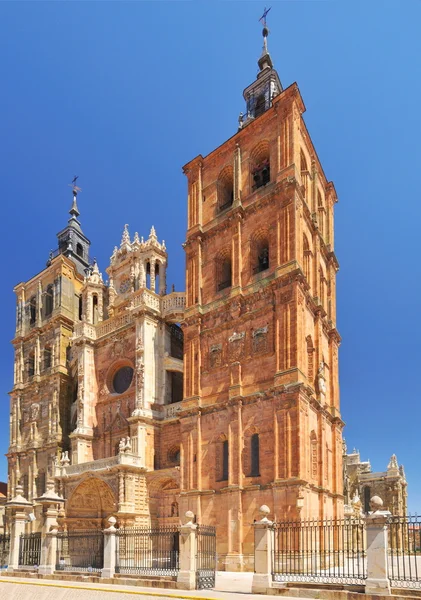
(263, 548)
(186, 578)
(377, 546)
(51, 503)
(109, 549)
(20, 508)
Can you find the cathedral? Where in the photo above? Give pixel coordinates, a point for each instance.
(144, 403)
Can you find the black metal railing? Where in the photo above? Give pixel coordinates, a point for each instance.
(148, 551)
(4, 550)
(29, 549)
(405, 551)
(323, 551)
(80, 550)
(205, 557)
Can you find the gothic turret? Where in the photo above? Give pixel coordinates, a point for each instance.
(71, 240)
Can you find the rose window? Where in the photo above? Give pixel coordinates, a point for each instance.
(122, 379)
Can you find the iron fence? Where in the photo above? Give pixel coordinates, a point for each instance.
(404, 551)
(321, 551)
(4, 550)
(205, 557)
(80, 550)
(148, 551)
(29, 549)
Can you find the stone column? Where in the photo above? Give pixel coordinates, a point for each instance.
(20, 509)
(377, 581)
(152, 280)
(263, 547)
(186, 578)
(109, 549)
(51, 503)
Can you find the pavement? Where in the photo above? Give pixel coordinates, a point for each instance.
(229, 586)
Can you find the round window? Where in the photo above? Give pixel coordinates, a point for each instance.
(122, 379)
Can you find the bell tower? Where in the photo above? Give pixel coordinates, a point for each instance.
(262, 422)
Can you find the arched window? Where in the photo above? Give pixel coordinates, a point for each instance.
(306, 259)
(32, 310)
(260, 166)
(367, 498)
(224, 273)
(49, 301)
(225, 460)
(254, 454)
(225, 188)
(47, 358)
(261, 255)
(79, 250)
(260, 105)
(94, 309)
(80, 308)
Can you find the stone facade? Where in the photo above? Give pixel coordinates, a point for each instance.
(256, 418)
(261, 421)
(360, 482)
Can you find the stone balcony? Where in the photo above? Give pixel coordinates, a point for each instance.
(127, 459)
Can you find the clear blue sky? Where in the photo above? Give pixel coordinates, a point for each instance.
(123, 94)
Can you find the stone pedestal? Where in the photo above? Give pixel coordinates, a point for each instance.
(20, 508)
(109, 549)
(51, 503)
(186, 578)
(377, 561)
(263, 547)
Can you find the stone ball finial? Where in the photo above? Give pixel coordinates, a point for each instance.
(264, 510)
(376, 503)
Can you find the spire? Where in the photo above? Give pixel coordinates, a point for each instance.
(265, 60)
(125, 239)
(152, 235)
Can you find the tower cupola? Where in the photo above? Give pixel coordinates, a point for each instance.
(71, 240)
(259, 94)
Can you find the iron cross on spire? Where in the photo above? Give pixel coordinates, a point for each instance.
(262, 19)
(73, 185)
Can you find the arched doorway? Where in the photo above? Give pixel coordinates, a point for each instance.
(90, 505)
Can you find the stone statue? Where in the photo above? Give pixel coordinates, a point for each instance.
(321, 381)
(128, 446)
(122, 445)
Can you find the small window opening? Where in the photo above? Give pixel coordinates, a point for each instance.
(148, 275)
(225, 460)
(261, 174)
(80, 307)
(94, 309)
(49, 301)
(31, 365)
(47, 358)
(255, 459)
(262, 257)
(226, 275)
(32, 310)
(175, 386)
(79, 250)
(260, 106)
(157, 288)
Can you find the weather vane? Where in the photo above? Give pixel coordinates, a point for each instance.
(262, 19)
(73, 185)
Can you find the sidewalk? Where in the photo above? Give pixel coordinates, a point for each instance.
(228, 586)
